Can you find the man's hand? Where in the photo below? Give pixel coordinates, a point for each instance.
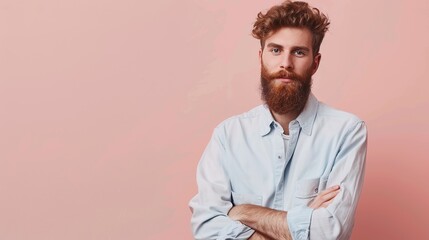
(325, 197)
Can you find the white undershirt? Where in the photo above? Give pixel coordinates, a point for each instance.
(286, 141)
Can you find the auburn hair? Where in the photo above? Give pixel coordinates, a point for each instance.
(291, 14)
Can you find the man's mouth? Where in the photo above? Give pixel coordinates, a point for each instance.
(284, 80)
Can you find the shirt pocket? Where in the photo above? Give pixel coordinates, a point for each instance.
(244, 198)
(307, 190)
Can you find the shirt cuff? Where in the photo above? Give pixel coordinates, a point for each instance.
(236, 230)
(298, 219)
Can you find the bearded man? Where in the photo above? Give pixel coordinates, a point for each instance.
(293, 167)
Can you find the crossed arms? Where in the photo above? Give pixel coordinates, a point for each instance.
(269, 223)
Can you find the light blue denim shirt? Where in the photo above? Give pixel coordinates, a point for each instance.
(246, 162)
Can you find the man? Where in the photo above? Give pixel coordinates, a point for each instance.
(293, 167)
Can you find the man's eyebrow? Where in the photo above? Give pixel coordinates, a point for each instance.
(275, 45)
(301, 48)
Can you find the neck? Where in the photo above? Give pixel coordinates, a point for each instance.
(285, 119)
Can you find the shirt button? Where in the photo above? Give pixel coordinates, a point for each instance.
(316, 190)
(279, 157)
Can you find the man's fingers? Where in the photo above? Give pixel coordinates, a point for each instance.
(330, 189)
(326, 204)
(325, 197)
(330, 195)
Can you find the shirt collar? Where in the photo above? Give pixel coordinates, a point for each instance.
(305, 118)
(266, 121)
(308, 115)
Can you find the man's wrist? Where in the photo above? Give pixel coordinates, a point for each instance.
(235, 213)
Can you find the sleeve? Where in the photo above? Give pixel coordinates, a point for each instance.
(337, 220)
(213, 201)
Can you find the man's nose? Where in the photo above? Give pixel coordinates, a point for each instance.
(287, 62)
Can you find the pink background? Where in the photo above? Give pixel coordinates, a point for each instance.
(106, 107)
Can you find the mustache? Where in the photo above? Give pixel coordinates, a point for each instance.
(284, 74)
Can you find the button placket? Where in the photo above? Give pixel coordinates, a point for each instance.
(279, 163)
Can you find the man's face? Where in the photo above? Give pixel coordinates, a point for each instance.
(287, 64)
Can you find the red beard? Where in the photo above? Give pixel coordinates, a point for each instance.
(288, 97)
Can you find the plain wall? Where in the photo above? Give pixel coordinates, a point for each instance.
(106, 107)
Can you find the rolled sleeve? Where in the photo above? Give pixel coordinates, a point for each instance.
(235, 230)
(298, 220)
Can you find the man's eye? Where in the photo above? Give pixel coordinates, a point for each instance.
(275, 51)
(299, 53)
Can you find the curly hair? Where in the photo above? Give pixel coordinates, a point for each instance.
(291, 14)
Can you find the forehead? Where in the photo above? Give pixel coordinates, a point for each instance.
(291, 37)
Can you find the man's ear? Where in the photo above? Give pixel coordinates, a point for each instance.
(316, 63)
(260, 55)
